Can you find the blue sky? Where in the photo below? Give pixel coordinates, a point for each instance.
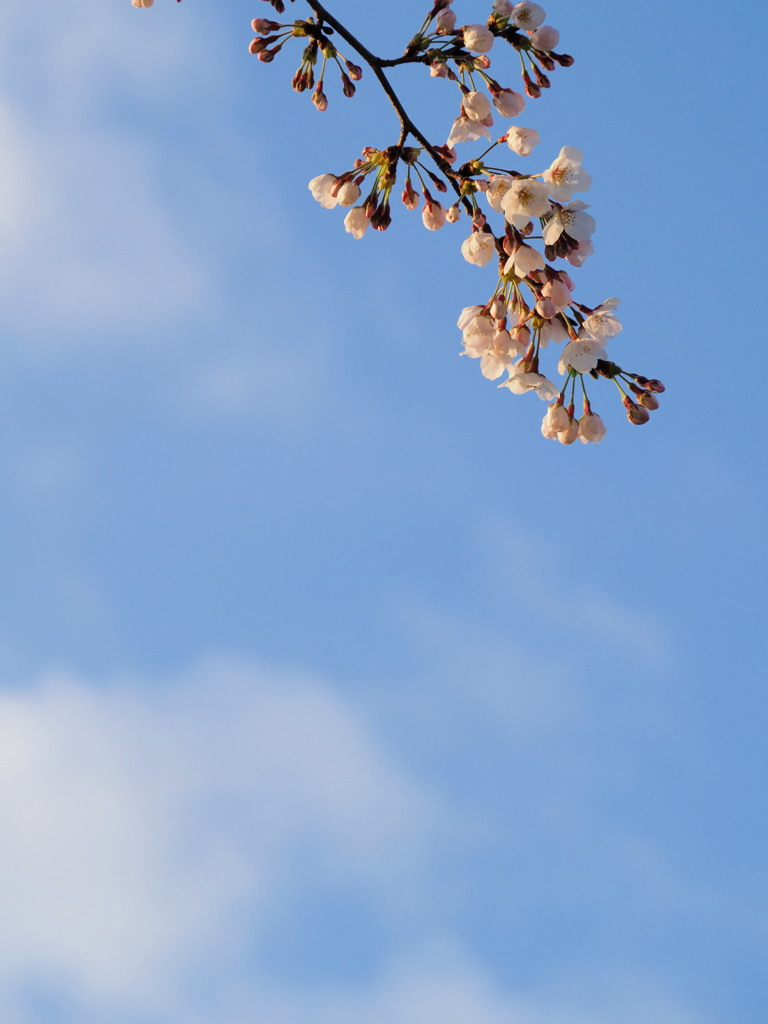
(331, 691)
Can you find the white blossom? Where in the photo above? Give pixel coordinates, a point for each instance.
(552, 329)
(558, 292)
(357, 222)
(545, 37)
(467, 315)
(522, 140)
(466, 130)
(572, 220)
(528, 15)
(520, 381)
(477, 106)
(591, 428)
(478, 336)
(571, 432)
(497, 189)
(565, 175)
(523, 260)
(502, 7)
(320, 188)
(348, 194)
(525, 198)
(479, 248)
(478, 38)
(603, 323)
(555, 420)
(142, 3)
(496, 359)
(581, 355)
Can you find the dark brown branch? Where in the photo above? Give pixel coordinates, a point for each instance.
(407, 127)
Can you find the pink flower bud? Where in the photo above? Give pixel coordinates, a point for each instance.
(410, 196)
(648, 400)
(635, 413)
(508, 102)
(263, 26)
(433, 215)
(446, 22)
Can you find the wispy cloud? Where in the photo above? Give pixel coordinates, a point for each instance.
(147, 827)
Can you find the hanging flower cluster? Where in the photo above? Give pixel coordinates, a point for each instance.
(538, 220)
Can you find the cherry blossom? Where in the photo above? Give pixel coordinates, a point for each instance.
(531, 304)
(357, 222)
(479, 248)
(525, 198)
(555, 420)
(522, 140)
(581, 355)
(528, 15)
(571, 220)
(521, 380)
(591, 428)
(477, 107)
(603, 323)
(321, 189)
(523, 260)
(478, 38)
(566, 175)
(466, 129)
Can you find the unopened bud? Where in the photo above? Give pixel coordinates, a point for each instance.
(531, 88)
(453, 213)
(650, 401)
(410, 196)
(347, 87)
(635, 413)
(355, 71)
(263, 26)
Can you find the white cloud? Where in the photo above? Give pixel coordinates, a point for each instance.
(146, 829)
(155, 834)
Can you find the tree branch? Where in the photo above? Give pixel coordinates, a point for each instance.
(376, 64)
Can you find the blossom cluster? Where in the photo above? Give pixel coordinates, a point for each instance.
(538, 219)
